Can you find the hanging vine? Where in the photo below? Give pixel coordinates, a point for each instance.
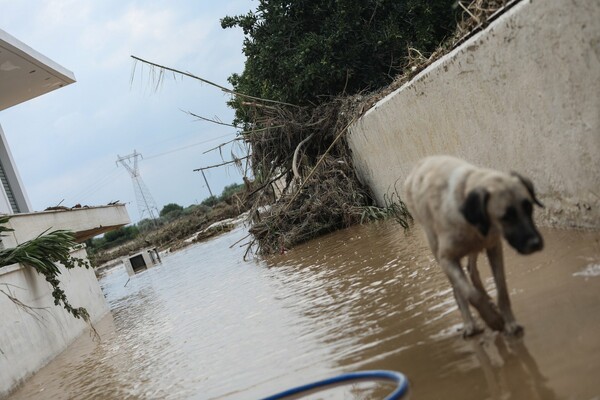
(42, 253)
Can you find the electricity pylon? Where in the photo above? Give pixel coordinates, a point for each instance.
(145, 202)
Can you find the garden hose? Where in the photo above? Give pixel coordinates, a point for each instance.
(378, 375)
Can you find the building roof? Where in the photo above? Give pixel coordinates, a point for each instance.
(26, 74)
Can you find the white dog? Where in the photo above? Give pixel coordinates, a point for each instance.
(465, 210)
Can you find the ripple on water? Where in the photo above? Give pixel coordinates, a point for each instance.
(206, 325)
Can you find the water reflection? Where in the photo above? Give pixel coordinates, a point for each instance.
(510, 370)
(206, 325)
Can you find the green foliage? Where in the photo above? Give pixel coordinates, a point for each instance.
(210, 201)
(171, 212)
(116, 237)
(42, 254)
(121, 235)
(230, 190)
(196, 209)
(303, 52)
(147, 225)
(169, 208)
(394, 208)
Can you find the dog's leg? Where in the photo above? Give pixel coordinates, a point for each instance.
(497, 263)
(460, 283)
(470, 328)
(474, 274)
(433, 242)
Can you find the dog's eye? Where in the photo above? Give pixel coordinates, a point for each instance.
(527, 207)
(510, 214)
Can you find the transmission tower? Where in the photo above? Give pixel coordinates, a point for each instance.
(145, 202)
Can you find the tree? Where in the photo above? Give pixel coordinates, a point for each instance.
(121, 235)
(230, 190)
(147, 224)
(303, 52)
(170, 208)
(210, 201)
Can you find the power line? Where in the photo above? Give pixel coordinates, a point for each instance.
(97, 184)
(187, 146)
(93, 187)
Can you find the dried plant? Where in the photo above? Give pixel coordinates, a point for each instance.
(303, 151)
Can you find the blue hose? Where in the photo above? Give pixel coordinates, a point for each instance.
(396, 377)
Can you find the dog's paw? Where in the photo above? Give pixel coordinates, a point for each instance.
(514, 330)
(469, 332)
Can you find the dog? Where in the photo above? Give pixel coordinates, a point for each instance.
(465, 210)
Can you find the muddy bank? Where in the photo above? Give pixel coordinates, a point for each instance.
(177, 234)
(206, 325)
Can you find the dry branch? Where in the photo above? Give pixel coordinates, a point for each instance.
(236, 161)
(163, 68)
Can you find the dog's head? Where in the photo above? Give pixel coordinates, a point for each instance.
(507, 202)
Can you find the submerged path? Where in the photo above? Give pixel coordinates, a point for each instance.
(207, 325)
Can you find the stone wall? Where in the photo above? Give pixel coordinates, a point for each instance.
(522, 95)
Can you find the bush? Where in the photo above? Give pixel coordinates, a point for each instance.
(230, 190)
(147, 224)
(197, 209)
(121, 235)
(304, 52)
(170, 208)
(210, 201)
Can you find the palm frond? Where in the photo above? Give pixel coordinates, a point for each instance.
(43, 253)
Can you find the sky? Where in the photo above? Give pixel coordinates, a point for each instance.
(65, 143)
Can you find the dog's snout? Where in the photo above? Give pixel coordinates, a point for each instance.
(535, 243)
(526, 243)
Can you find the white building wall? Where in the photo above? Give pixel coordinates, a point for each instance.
(29, 340)
(522, 95)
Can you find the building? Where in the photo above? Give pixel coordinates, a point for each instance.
(29, 342)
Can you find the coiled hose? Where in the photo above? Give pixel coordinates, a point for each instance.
(377, 375)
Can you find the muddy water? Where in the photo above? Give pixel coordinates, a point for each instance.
(207, 325)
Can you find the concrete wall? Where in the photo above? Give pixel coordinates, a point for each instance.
(522, 95)
(28, 341)
(84, 222)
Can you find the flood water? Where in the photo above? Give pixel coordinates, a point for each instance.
(207, 325)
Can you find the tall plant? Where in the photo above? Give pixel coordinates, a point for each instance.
(42, 254)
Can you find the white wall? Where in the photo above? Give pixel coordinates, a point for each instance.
(522, 95)
(28, 342)
(84, 222)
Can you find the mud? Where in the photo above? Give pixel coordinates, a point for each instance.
(206, 325)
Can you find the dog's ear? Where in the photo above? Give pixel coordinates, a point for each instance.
(474, 209)
(529, 186)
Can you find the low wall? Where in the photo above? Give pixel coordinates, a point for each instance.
(29, 340)
(522, 95)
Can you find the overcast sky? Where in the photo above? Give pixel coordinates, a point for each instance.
(65, 143)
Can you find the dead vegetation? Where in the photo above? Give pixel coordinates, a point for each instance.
(306, 153)
(172, 236)
(307, 146)
(303, 151)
